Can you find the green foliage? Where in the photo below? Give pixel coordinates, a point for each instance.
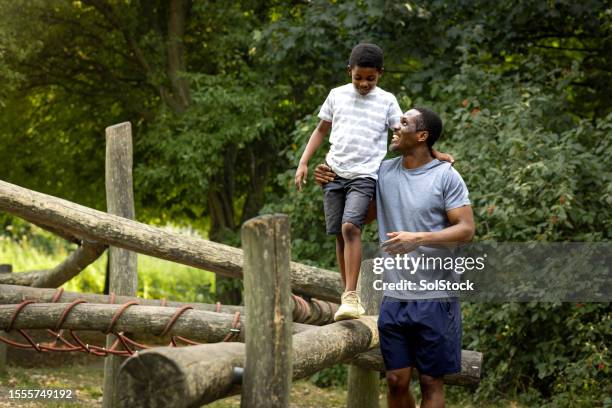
(335, 376)
(157, 279)
(534, 170)
(556, 352)
(209, 147)
(524, 89)
(305, 209)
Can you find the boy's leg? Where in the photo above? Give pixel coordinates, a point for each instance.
(333, 206)
(360, 192)
(351, 235)
(340, 257)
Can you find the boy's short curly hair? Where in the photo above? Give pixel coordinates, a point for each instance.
(366, 56)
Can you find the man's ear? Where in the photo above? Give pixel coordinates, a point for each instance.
(381, 71)
(422, 136)
(348, 70)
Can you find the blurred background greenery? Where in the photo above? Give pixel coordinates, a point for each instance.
(223, 96)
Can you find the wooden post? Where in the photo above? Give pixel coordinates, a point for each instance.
(123, 263)
(4, 268)
(364, 384)
(268, 304)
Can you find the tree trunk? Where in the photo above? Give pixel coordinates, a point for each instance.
(176, 54)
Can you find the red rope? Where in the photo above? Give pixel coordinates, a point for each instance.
(128, 344)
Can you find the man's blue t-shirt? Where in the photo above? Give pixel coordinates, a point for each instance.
(416, 200)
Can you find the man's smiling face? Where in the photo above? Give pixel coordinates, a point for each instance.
(405, 134)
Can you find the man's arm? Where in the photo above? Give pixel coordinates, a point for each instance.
(316, 139)
(461, 230)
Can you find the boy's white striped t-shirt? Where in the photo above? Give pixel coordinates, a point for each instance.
(359, 129)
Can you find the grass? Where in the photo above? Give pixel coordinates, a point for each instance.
(156, 278)
(87, 380)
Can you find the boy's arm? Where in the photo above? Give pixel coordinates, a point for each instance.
(442, 156)
(316, 139)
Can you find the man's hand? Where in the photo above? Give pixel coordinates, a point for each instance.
(402, 242)
(443, 156)
(323, 174)
(300, 175)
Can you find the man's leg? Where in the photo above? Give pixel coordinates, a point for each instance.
(439, 350)
(432, 392)
(398, 388)
(351, 235)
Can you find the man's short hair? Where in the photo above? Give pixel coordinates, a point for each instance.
(430, 121)
(366, 56)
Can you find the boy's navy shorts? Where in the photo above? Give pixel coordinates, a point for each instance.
(425, 334)
(347, 200)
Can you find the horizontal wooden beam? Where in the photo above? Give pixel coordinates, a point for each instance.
(198, 325)
(108, 229)
(309, 312)
(78, 260)
(471, 366)
(190, 377)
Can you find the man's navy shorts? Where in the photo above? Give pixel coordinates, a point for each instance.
(425, 334)
(347, 200)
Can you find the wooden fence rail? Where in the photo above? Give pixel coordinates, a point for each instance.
(198, 325)
(108, 229)
(304, 311)
(190, 377)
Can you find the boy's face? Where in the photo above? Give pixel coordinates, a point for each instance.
(364, 79)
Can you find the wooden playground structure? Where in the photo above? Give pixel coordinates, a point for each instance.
(284, 332)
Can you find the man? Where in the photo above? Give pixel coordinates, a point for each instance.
(421, 203)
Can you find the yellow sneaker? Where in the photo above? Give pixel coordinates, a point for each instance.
(350, 308)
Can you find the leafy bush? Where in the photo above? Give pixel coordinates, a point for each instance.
(535, 172)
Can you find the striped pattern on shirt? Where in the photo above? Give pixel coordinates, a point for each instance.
(359, 129)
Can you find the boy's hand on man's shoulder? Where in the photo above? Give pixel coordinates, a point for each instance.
(443, 156)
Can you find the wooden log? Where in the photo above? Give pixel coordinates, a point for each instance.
(190, 377)
(268, 303)
(13, 294)
(60, 233)
(363, 385)
(83, 256)
(316, 312)
(123, 275)
(198, 325)
(5, 269)
(471, 367)
(109, 229)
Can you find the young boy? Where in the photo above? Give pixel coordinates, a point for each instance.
(359, 115)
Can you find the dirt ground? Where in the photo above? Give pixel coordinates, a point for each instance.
(87, 380)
